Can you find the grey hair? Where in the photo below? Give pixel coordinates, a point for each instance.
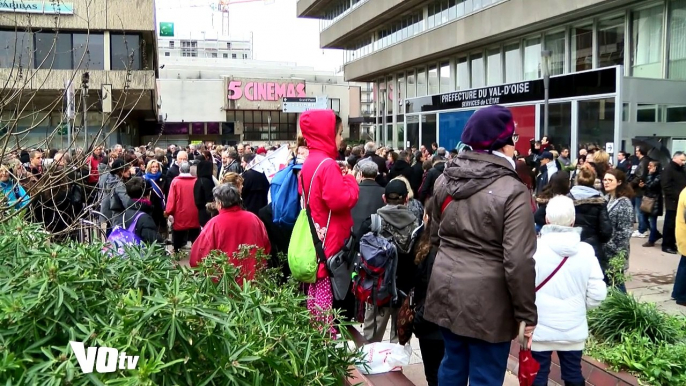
(560, 211)
(227, 195)
(678, 154)
(441, 151)
(370, 147)
(369, 169)
(185, 167)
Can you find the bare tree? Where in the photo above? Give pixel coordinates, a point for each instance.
(35, 114)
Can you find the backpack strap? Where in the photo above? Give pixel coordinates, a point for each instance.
(547, 279)
(132, 227)
(307, 203)
(446, 202)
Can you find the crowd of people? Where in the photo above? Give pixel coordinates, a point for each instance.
(486, 239)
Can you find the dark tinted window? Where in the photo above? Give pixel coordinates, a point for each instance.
(53, 50)
(89, 51)
(16, 49)
(126, 52)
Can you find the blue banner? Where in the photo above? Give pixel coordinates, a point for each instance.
(451, 127)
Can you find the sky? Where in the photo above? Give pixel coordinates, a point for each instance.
(278, 35)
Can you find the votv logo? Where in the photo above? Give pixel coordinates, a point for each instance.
(106, 359)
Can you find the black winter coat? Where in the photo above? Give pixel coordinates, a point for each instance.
(202, 191)
(371, 200)
(255, 191)
(427, 189)
(145, 227)
(416, 180)
(424, 329)
(400, 168)
(673, 182)
(653, 189)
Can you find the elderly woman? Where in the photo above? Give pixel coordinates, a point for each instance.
(155, 178)
(229, 230)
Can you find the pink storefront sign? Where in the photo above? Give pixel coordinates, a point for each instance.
(264, 91)
(198, 128)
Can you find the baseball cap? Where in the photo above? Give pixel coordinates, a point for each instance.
(396, 189)
(548, 155)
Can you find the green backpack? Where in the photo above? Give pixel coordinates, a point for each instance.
(305, 249)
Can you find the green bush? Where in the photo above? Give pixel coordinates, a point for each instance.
(621, 314)
(186, 328)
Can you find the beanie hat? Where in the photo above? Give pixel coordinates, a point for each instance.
(547, 155)
(489, 129)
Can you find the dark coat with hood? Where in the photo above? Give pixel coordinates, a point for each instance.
(145, 227)
(673, 182)
(653, 189)
(255, 191)
(483, 281)
(114, 200)
(417, 177)
(202, 191)
(427, 188)
(591, 216)
(401, 168)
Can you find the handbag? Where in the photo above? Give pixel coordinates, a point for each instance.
(340, 267)
(405, 322)
(647, 204)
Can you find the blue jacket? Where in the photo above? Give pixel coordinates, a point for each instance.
(16, 195)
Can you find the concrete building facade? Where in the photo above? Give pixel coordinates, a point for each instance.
(205, 45)
(241, 101)
(412, 49)
(47, 47)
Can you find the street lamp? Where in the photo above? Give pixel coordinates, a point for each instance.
(382, 132)
(545, 67)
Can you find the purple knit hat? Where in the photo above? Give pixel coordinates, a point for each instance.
(489, 129)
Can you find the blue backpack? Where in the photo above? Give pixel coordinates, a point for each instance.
(284, 191)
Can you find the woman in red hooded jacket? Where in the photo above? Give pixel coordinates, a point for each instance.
(334, 193)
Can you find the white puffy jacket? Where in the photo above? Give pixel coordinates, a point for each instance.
(577, 287)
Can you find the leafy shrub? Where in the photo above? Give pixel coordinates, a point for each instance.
(656, 364)
(621, 314)
(186, 328)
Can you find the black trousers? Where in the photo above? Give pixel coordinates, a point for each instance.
(432, 354)
(668, 230)
(180, 238)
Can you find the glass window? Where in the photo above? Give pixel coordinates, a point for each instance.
(675, 114)
(463, 74)
(494, 72)
(421, 82)
(411, 85)
(444, 11)
(513, 63)
(16, 49)
(428, 130)
(677, 41)
(452, 12)
(460, 8)
(559, 124)
(611, 42)
(446, 84)
(646, 113)
(468, 6)
(596, 122)
(556, 44)
(582, 48)
(390, 87)
(401, 94)
(89, 51)
(433, 80)
(647, 43)
(532, 59)
(126, 52)
(478, 70)
(53, 51)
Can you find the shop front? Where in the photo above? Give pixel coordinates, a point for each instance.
(584, 108)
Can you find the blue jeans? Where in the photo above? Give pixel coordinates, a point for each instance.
(654, 233)
(679, 291)
(641, 217)
(473, 361)
(570, 366)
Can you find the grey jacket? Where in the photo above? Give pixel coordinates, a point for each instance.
(114, 200)
(621, 213)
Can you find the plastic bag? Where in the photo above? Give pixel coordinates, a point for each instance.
(385, 357)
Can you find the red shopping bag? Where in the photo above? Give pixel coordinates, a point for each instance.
(528, 367)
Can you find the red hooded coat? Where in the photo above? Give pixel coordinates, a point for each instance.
(331, 191)
(181, 203)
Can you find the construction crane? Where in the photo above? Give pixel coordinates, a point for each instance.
(216, 6)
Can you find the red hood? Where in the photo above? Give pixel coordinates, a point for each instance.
(319, 129)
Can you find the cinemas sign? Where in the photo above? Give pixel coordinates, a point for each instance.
(264, 90)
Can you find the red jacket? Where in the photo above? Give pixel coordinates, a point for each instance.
(181, 204)
(331, 191)
(226, 232)
(94, 175)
